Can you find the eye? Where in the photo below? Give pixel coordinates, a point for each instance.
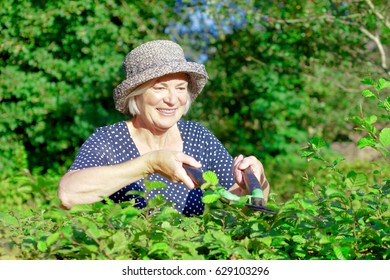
(182, 88)
(159, 87)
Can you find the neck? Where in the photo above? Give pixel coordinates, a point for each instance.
(147, 139)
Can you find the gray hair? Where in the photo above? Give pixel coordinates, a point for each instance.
(132, 104)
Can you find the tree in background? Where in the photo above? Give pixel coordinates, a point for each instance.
(280, 71)
(59, 63)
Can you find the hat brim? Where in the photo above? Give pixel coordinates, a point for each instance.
(197, 73)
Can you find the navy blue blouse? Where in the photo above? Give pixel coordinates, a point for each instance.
(113, 144)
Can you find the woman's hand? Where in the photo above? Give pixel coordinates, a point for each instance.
(240, 163)
(170, 165)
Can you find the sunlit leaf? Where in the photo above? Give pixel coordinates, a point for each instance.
(356, 204)
(368, 81)
(210, 177)
(153, 185)
(8, 219)
(158, 247)
(67, 231)
(42, 246)
(318, 143)
(120, 241)
(339, 253)
(358, 180)
(306, 154)
(371, 119)
(93, 230)
(266, 240)
(210, 198)
(384, 137)
(52, 238)
(366, 142)
(368, 93)
(299, 239)
(382, 83)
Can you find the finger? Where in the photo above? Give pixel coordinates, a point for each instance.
(236, 162)
(183, 158)
(237, 173)
(250, 161)
(181, 176)
(256, 166)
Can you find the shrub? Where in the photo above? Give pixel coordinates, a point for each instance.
(343, 217)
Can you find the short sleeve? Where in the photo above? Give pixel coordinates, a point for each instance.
(108, 145)
(91, 153)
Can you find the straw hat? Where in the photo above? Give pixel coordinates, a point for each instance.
(152, 60)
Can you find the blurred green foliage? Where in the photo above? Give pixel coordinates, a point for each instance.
(291, 72)
(59, 63)
(280, 72)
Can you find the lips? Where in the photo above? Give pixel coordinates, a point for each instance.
(167, 111)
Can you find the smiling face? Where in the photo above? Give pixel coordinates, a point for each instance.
(164, 102)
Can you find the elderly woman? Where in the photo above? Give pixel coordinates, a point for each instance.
(154, 143)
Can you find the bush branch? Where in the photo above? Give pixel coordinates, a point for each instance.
(378, 43)
(377, 14)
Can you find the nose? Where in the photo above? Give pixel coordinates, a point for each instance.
(171, 97)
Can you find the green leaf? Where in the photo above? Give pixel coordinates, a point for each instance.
(356, 204)
(91, 248)
(266, 240)
(337, 161)
(341, 252)
(368, 81)
(210, 198)
(210, 177)
(382, 83)
(306, 154)
(25, 189)
(318, 143)
(290, 206)
(242, 201)
(93, 230)
(152, 185)
(67, 231)
(8, 220)
(356, 180)
(299, 239)
(371, 119)
(385, 104)
(120, 241)
(384, 136)
(228, 195)
(386, 188)
(52, 238)
(159, 247)
(325, 239)
(368, 93)
(42, 246)
(332, 192)
(81, 208)
(366, 142)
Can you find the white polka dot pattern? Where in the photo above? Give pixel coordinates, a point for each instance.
(113, 144)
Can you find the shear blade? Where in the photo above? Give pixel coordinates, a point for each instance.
(261, 209)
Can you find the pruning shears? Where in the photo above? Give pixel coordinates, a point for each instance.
(256, 197)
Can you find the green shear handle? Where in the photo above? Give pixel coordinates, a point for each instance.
(254, 188)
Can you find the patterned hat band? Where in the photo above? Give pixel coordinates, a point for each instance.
(152, 60)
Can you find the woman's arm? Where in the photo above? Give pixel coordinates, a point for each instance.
(91, 184)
